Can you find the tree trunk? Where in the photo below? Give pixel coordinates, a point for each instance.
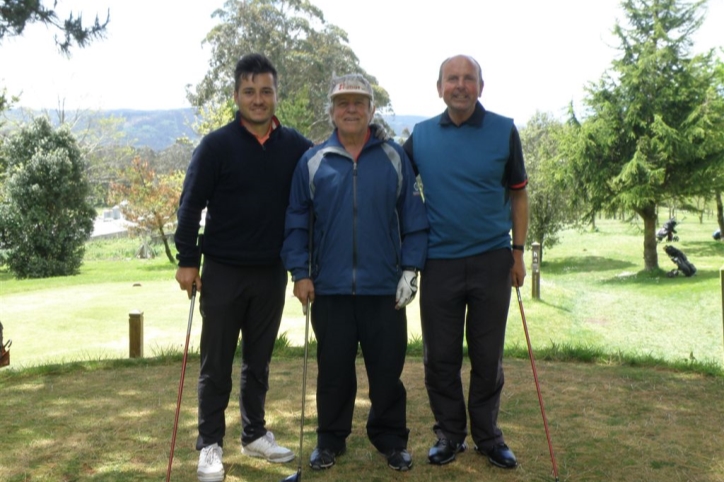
(164, 238)
(159, 225)
(720, 213)
(651, 256)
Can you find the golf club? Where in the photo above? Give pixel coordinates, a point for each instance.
(537, 385)
(181, 383)
(297, 477)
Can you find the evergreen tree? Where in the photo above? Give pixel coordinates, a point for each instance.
(305, 50)
(655, 120)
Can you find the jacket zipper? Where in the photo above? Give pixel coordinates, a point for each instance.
(354, 228)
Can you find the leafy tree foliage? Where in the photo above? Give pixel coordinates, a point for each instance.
(550, 204)
(148, 200)
(305, 49)
(45, 217)
(655, 120)
(15, 15)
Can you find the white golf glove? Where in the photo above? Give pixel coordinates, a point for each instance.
(406, 289)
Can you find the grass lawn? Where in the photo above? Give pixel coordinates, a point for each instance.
(607, 423)
(647, 409)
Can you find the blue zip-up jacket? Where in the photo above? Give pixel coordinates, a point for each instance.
(369, 219)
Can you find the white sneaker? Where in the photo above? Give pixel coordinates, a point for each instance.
(210, 467)
(266, 447)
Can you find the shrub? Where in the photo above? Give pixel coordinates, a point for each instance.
(44, 213)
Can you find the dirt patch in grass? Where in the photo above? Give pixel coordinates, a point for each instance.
(608, 423)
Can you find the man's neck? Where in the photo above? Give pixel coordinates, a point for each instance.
(354, 143)
(259, 130)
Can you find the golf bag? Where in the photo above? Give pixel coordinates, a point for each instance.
(683, 265)
(4, 352)
(667, 231)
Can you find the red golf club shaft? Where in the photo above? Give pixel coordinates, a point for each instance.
(181, 383)
(537, 385)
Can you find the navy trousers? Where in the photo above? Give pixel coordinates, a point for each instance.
(341, 323)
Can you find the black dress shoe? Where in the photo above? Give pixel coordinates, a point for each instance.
(399, 459)
(444, 451)
(500, 455)
(323, 458)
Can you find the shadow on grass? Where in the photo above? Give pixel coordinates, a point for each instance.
(703, 249)
(555, 352)
(584, 264)
(155, 267)
(552, 305)
(660, 276)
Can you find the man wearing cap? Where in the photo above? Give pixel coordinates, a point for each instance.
(471, 165)
(369, 241)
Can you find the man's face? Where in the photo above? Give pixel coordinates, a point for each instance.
(460, 85)
(352, 113)
(256, 98)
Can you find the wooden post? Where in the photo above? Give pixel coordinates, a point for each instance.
(535, 267)
(135, 334)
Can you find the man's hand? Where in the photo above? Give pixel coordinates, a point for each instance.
(186, 278)
(517, 272)
(406, 289)
(379, 132)
(304, 290)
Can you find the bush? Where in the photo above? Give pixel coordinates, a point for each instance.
(45, 214)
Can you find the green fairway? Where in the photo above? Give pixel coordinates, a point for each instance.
(592, 296)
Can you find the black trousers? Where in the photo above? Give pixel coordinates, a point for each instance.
(234, 299)
(467, 296)
(340, 323)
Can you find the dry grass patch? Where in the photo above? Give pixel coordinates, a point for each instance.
(608, 423)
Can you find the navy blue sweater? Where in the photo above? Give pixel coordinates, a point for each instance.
(245, 187)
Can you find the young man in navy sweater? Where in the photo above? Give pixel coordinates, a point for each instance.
(241, 173)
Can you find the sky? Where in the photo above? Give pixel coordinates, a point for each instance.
(536, 55)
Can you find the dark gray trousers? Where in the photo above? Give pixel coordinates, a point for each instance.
(237, 299)
(465, 297)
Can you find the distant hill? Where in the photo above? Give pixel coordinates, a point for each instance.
(156, 129)
(159, 129)
(401, 122)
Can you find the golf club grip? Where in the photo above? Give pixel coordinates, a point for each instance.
(537, 385)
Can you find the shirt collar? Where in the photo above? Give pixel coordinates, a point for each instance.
(475, 120)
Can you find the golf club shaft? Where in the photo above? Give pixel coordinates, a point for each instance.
(181, 383)
(304, 382)
(537, 385)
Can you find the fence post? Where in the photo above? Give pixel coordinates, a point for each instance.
(536, 270)
(135, 334)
